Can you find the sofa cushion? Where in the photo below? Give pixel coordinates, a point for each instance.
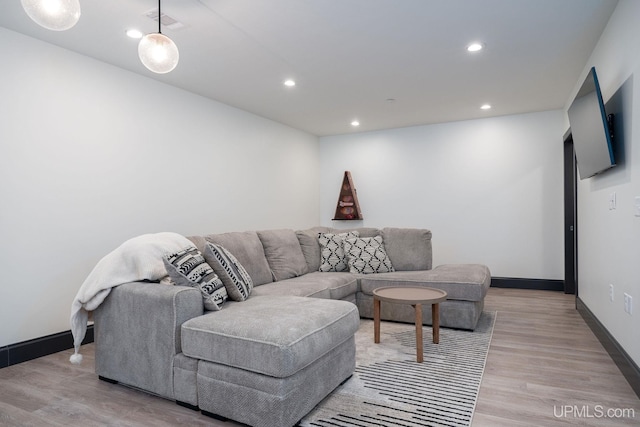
(301, 288)
(466, 282)
(315, 284)
(199, 242)
(362, 231)
(332, 256)
(188, 268)
(308, 240)
(258, 400)
(367, 255)
(408, 248)
(234, 276)
(283, 253)
(270, 335)
(248, 250)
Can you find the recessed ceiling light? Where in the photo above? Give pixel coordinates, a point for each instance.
(355, 123)
(289, 83)
(134, 34)
(485, 107)
(475, 47)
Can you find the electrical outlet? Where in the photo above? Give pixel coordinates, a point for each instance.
(628, 303)
(610, 292)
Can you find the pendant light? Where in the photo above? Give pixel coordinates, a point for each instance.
(56, 15)
(158, 52)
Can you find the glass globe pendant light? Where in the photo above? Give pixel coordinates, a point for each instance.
(158, 52)
(56, 15)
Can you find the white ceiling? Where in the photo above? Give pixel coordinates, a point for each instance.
(350, 57)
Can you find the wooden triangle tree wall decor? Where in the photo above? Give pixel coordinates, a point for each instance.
(348, 207)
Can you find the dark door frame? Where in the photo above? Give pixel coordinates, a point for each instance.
(570, 218)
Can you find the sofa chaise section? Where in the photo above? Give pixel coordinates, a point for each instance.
(269, 360)
(411, 254)
(465, 284)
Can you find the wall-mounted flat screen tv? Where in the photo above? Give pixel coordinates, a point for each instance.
(591, 129)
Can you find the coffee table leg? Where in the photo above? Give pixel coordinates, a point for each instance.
(419, 350)
(376, 320)
(435, 316)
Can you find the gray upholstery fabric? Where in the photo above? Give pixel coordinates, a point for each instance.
(137, 333)
(185, 370)
(315, 284)
(453, 313)
(308, 240)
(303, 287)
(350, 298)
(362, 231)
(199, 242)
(283, 253)
(408, 248)
(247, 248)
(257, 334)
(264, 401)
(468, 282)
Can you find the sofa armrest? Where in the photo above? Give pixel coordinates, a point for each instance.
(137, 333)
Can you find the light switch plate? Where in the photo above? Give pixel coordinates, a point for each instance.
(610, 292)
(628, 303)
(612, 201)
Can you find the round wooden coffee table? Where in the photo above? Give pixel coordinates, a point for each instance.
(416, 296)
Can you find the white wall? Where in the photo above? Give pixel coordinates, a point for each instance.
(93, 155)
(490, 190)
(609, 240)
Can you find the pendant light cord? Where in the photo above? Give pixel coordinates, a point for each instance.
(159, 18)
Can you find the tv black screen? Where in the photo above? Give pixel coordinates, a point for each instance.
(590, 129)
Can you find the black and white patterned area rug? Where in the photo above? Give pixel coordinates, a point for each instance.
(389, 388)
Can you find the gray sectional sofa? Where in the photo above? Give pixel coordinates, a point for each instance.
(268, 360)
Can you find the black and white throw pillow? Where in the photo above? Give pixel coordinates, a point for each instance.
(188, 268)
(367, 255)
(233, 274)
(332, 256)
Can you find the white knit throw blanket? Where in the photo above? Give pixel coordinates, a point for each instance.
(139, 258)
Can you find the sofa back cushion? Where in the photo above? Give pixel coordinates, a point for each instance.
(310, 246)
(247, 249)
(283, 253)
(199, 242)
(362, 231)
(408, 248)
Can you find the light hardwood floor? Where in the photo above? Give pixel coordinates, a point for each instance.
(545, 368)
